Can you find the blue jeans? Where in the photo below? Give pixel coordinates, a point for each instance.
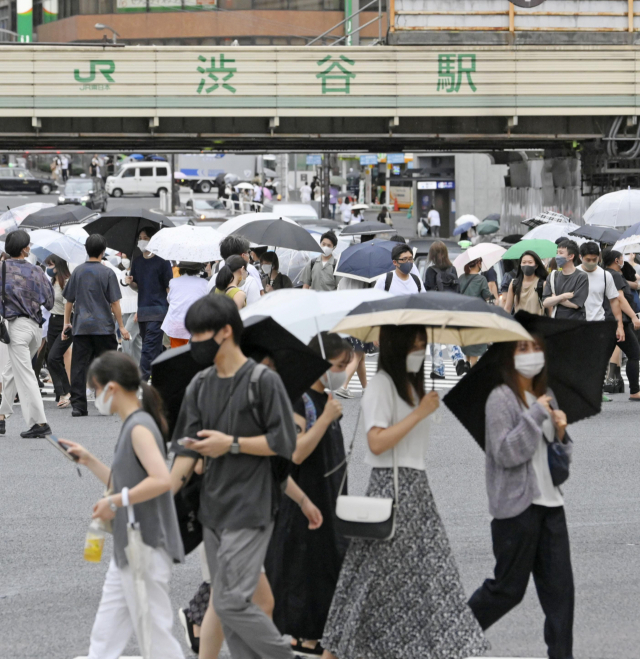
(151, 334)
(438, 361)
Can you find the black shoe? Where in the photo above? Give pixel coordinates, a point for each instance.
(76, 412)
(619, 386)
(437, 376)
(192, 641)
(36, 431)
(609, 386)
(461, 367)
(3, 427)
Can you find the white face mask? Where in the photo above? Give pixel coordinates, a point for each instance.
(143, 244)
(266, 269)
(328, 251)
(102, 404)
(529, 364)
(126, 263)
(332, 380)
(415, 360)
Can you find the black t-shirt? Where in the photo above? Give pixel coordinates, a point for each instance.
(622, 285)
(152, 276)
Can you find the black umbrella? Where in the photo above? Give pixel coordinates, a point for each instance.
(121, 226)
(298, 366)
(493, 217)
(575, 380)
(279, 234)
(512, 238)
(360, 228)
(57, 216)
(605, 235)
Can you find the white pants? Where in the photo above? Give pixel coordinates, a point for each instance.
(18, 375)
(114, 621)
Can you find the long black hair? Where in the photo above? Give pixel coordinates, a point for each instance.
(113, 366)
(230, 267)
(62, 270)
(334, 345)
(396, 342)
(506, 352)
(540, 273)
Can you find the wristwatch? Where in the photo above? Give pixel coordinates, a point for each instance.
(112, 505)
(235, 446)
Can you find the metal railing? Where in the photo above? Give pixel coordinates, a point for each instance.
(8, 35)
(379, 18)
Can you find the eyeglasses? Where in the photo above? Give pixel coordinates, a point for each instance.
(407, 259)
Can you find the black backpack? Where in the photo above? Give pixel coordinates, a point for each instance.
(447, 280)
(389, 279)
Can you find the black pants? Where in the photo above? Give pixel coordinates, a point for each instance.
(631, 349)
(535, 541)
(152, 337)
(55, 359)
(86, 347)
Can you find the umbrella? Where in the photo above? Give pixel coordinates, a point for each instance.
(463, 219)
(493, 217)
(616, 209)
(57, 216)
(487, 227)
(10, 220)
(599, 234)
(544, 218)
(545, 249)
(366, 261)
(512, 238)
(490, 253)
(279, 234)
(552, 231)
(235, 223)
(244, 186)
(337, 180)
(628, 245)
(367, 227)
(187, 243)
(576, 382)
(219, 179)
(231, 178)
(121, 226)
(305, 312)
(453, 319)
(462, 228)
(46, 242)
(359, 207)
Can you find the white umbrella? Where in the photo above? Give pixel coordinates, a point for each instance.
(244, 186)
(490, 253)
(467, 218)
(305, 312)
(359, 207)
(552, 231)
(57, 243)
(630, 245)
(187, 243)
(239, 221)
(11, 219)
(616, 209)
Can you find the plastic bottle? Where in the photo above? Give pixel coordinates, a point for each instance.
(94, 542)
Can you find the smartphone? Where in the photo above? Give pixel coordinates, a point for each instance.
(68, 331)
(63, 449)
(185, 441)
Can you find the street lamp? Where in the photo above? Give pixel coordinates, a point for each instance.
(102, 26)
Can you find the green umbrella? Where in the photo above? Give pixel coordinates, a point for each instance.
(487, 227)
(545, 249)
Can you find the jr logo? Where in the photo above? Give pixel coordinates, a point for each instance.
(105, 66)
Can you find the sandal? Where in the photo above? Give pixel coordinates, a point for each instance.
(298, 648)
(65, 401)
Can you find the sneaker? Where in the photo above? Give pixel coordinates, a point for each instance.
(343, 392)
(36, 430)
(606, 399)
(437, 376)
(461, 367)
(192, 641)
(3, 426)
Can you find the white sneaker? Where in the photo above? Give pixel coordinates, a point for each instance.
(343, 392)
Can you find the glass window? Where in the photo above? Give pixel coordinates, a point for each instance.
(129, 173)
(161, 171)
(23, 173)
(78, 186)
(6, 172)
(146, 171)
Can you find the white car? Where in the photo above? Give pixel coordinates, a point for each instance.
(147, 178)
(295, 212)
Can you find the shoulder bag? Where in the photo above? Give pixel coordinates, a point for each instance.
(4, 330)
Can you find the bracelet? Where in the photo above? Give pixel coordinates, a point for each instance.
(304, 496)
(125, 496)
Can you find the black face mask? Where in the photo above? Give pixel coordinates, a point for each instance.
(204, 352)
(528, 270)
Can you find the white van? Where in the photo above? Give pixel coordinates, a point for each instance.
(140, 178)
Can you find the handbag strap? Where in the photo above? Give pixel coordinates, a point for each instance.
(4, 280)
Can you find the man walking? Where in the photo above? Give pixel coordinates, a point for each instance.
(26, 289)
(318, 274)
(240, 494)
(64, 160)
(434, 222)
(566, 292)
(93, 295)
(150, 277)
(401, 281)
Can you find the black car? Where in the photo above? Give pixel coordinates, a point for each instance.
(19, 179)
(85, 191)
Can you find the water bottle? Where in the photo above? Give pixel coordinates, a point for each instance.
(94, 542)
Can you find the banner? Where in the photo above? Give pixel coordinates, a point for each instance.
(49, 11)
(24, 10)
(165, 5)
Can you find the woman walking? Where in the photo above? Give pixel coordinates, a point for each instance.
(58, 343)
(139, 477)
(184, 290)
(401, 597)
(272, 278)
(529, 528)
(525, 290)
(474, 284)
(228, 280)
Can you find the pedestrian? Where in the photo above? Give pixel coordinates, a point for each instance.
(93, 296)
(473, 284)
(433, 216)
(526, 289)
(129, 309)
(401, 281)
(229, 279)
(58, 344)
(64, 161)
(529, 528)
(94, 168)
(25, 289)
(345, 209)
(510, 273)
(139, 478)
(318, 274)
(150, 277)
(273, 279)
(238, 246)
(566, 291)
(240, 493)
(305, 193)
(356, 216)
(302, 564)
(370, 614)
(333, 200)
(385, 216)
(183, 292)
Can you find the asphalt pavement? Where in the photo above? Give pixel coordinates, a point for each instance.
(11, 200)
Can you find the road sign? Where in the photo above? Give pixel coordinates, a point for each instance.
(314, 159)
(395, 158)
(369, 159)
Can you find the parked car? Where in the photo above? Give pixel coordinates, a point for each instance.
(207, 209)
(140, 178)
(295, 212)
(19, 179)
(85, 191)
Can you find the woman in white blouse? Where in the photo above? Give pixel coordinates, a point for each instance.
(183, 292)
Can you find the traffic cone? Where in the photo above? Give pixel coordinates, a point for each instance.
(396, 205)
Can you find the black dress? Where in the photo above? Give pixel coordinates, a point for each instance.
(303, 565)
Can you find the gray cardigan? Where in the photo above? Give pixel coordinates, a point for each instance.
(511, 438)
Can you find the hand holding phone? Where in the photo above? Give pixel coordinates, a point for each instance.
(187, 441)
(62, 448)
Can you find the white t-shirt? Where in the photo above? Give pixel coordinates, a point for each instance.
(593, 305)
(345, 209)
(398, 286)
(434, 218)
(305, 194)
(129, 301)
(550, 495)
(65, 162)
(383, 408)
(183, 292)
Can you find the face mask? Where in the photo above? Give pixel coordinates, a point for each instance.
(204, 352)
(529, 364)
(126, 263)
(406, 268)
(142, 245)
(528, 270)
(51, 272)
(637, 259)
(415, 360)
(266, 269)
(560, 261)
(332, 380)
(589, 267)
(328, 251)
(102, 404)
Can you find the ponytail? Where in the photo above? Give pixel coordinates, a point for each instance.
(231, 266)
(153, 405)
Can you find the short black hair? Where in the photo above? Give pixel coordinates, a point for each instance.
(234, 245)
(331, 236)
(16, 242)
(272, 258)
(590, 249)
(150, 231)
(610, 256)
(213, 312)
(96, 245)
(334, 345)
(572, 248)
(398, 250)
(398, 239)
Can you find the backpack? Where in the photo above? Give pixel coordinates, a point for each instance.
(389, 279)
(447, 280)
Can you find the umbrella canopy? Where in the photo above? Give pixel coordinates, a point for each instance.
(490, 253)
(512, 238)
(359, 207)
(57, 216)
(367, 227)
(487, 227)
(244, 186)
(13, 217)
(452, 318)
(187, 243)
(278, 233)
(235, 223)
(545, 249)
(305, 312)
(544, 218)
(552, 231)
(616, 209)
(366, 261)
(628, 245)
(462, 228)
(463, 219)
(576, 382)
(599, 234)
(46, 242)
(338, 180)
(493, 217)
(121, 226)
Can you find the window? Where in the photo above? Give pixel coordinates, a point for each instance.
(161, 171)
(146, 171)
(129, 173)
(6, 172)
(23, 173)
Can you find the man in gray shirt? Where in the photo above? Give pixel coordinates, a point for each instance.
(239, 438)
(566, 292)
(318, 273)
